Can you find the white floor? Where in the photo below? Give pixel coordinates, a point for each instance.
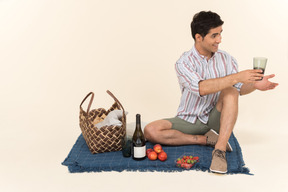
(55, 52)
(34, 164)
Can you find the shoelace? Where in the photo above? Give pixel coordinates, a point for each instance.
(220, 154)
(210, 142)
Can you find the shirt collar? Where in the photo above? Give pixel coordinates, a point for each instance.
(195, 51)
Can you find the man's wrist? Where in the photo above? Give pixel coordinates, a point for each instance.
(234, 79)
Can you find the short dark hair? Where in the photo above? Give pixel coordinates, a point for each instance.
(204, 21)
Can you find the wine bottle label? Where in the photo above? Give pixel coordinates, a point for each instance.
(139, 152)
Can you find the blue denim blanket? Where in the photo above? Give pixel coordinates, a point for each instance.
(81, 160)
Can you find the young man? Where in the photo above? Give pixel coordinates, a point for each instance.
(210, 85)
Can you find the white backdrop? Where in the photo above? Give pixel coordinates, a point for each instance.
(52, 53)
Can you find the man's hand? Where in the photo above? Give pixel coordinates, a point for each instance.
(265, 84)
(249, 76)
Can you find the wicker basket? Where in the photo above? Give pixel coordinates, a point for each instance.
(106, 138)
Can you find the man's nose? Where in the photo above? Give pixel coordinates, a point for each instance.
(219, 38)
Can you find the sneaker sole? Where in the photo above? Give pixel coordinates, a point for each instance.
(227, 143)
(216, 171)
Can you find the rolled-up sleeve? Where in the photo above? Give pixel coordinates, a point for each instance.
(188, 77)
(235, 70)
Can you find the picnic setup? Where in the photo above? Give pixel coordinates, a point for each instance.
(104, 145)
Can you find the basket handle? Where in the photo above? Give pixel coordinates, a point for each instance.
(92, 97)
(90, 103)
(111, 94)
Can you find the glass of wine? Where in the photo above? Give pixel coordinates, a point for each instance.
(126, 146)
(260, 63)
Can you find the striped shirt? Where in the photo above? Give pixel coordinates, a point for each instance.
(191, 68)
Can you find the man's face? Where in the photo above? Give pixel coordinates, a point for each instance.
(209, 44)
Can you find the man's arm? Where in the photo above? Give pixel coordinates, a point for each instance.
(262, 85)
(209, 86)
(218, 84)
(247, 88)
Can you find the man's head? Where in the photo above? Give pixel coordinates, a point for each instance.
(203, 22)
(206, 30)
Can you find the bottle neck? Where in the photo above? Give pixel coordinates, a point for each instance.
(138, 121)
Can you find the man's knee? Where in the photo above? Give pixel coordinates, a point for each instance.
(152, 130)
(227, 95)
(230, 93)
(148, 131)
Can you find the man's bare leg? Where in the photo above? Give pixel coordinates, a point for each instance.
(228, 106)
(160, 132)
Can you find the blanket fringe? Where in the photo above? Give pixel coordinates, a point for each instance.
(79, 169)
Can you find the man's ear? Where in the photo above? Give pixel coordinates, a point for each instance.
(198, 37)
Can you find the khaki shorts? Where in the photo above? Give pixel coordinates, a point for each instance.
(198, 128)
